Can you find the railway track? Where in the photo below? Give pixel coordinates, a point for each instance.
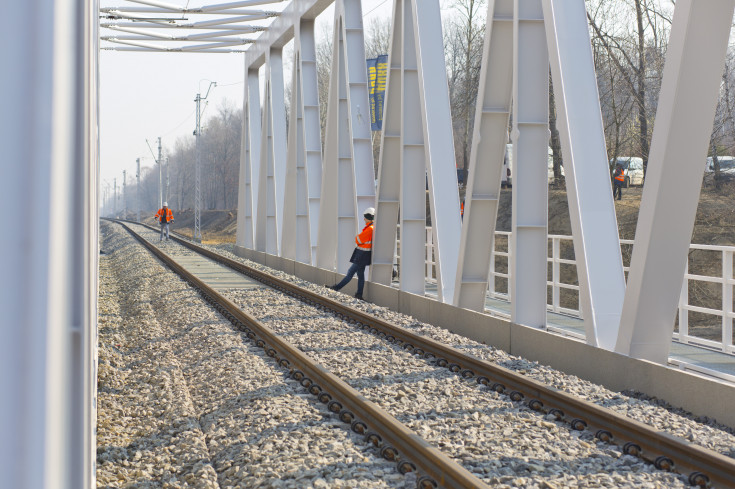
(702, 467)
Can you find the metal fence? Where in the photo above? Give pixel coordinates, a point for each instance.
(714, 325)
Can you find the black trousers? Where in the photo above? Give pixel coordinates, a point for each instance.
(618, 187)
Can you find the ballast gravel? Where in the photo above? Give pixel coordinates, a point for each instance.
(185, 401)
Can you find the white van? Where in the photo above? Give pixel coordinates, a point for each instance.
(632, 169)
(550, 165)
(727, 165)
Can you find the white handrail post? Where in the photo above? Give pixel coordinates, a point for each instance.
(555, 275)
(726, 300)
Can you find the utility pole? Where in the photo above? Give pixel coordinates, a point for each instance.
(198, 179)
(137, 188)
(160, 175)
(168, 182)
(125, 196)
(114, 198)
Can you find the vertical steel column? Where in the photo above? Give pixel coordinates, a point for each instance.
(591, 208)
(412, 164)
(312, 132)
(348, 178)
(530, 137)
(389, 173)
(492, 115)
(686, 109)
(249, 161)
(48, 355)
(269, 225)
(301, 204)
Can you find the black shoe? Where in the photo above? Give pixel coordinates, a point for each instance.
(359, 296)
(331, 287)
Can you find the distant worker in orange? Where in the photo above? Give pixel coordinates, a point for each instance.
(164, 216)
(618, 181)
(362, 256)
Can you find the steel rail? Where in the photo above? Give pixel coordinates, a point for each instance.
(704, 467)
(396, 441)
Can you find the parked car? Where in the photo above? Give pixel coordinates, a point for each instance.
(550, 165)
(632, 169)
(727, 165)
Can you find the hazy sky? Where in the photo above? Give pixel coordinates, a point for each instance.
(144, 95)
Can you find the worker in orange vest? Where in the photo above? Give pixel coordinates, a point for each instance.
(164, 216)
(362, 256)
(618, 181)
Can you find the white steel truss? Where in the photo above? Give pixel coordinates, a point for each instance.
(304, 160)
(691, 80)
(417, 136)
(595, 229)
(348, 176)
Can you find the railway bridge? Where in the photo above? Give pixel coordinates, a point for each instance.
(300, 204)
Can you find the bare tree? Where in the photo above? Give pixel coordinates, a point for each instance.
(463, 37)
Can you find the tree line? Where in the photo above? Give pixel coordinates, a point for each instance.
(629, 42)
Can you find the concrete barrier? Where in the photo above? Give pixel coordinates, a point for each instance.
(702, 396)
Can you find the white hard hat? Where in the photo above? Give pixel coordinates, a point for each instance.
(165, 204)
(369, 212)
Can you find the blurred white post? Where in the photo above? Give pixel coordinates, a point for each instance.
(49, 261)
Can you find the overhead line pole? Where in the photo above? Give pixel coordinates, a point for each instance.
(137, 188)
(160, 175)
(125, 196)
(198, 172)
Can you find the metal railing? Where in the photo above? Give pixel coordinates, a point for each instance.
(564, 296)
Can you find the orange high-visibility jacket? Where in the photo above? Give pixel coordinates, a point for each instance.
(168, 213)
(364, 240)
(619, 175)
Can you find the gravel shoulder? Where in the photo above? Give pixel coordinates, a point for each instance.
(184, 401)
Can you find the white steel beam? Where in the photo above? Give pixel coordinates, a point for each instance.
(530, 137)
(492, 115)
(438, 143)
(280, 31)
(303, 175)
(149, 50)
(195, 11)
(689, 91)
(221, 6)
(249, 161)
(180, 49)
(591, 208)
(269, 225)
(49, 262)
(389, 173)
(348, 185)
(241, 28)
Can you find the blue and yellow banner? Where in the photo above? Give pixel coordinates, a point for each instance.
(377, 69)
